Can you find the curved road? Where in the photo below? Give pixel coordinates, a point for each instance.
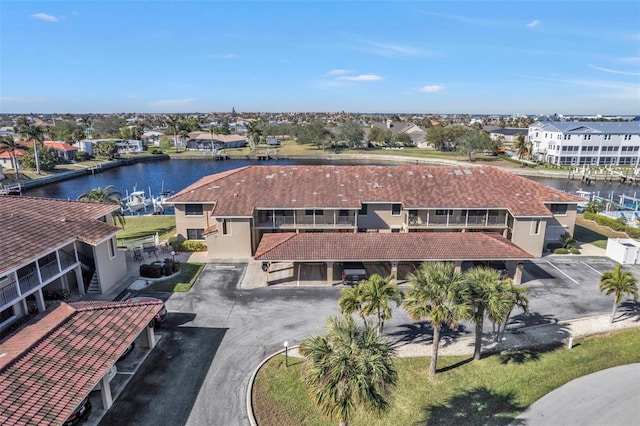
(608, 397)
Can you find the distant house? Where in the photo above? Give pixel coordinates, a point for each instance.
(7, 162)
(64, 150)
(508, 135)
(204, 141)
(414, 131)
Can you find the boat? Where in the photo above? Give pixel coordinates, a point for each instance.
(136, 201)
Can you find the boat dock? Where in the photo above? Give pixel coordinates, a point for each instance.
(603, 174)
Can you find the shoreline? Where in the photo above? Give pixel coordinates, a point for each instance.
(391, 159)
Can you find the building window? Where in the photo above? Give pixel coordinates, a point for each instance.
(194, 234)
(558, 209)
(535, 227)
(193, 209)
(112, 249)
(363, 210)
(395, 209)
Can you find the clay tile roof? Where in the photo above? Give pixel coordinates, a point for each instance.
(411, 246)
(50, 368)
(241, 191)
(211, 230)
(58, 222)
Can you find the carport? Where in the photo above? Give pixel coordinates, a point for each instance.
(393, 248)
(52, 364)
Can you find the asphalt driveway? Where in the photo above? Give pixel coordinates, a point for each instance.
(217, 333)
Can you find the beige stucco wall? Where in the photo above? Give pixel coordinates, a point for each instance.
(237, 244)
(184, 222)
(379, 217)
(523, 238)
(110, 271)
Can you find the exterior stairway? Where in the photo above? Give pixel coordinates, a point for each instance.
(94, 285)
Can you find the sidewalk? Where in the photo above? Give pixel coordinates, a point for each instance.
(525, 337)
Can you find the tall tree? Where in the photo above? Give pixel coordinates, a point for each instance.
(351, 132)
(36, 135)
(521, 146)
(620, 284)
(173, 122)
(486, 295)
(350, 301)
(376, 295)
(518, 296)
(254, 134)
(473, 141)
(349, 366)
(8, 144)
(109, 195)
(434, 295)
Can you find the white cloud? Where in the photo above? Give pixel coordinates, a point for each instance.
(339, 72)
(533, 23)
(23, 99)
(361, 77)
(44, 17)
(434, 88)
(613, 71)
(170, 102)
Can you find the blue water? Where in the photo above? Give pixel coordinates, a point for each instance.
(175, 175)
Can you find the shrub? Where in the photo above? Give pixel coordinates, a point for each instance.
(574, 250)
(151, 271)
(190, 245)
(155, 150)
(82, 156)
(561, 251)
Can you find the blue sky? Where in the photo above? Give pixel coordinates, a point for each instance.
(565, 57)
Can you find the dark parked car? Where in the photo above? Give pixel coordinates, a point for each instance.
(80, 414)
(160, 316)
(353, 273)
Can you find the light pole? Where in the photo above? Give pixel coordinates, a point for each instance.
(173, 255)
(286, 354)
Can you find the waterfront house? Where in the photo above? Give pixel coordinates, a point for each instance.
(53, 247)
(577, 143)
(233, 212)
(204, 141)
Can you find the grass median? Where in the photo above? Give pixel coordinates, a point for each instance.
(492, 391)
(137, 227)
(182, 282)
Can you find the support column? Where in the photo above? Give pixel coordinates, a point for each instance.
(394, 270)
(40, 300)
(517, 276)
(458, 266)
(329, 273)
(79, 279)
(105, 391)
(148, 337)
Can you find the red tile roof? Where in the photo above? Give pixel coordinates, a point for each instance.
(240, 191)
(31, 227)
(18, 153)
(409, 246)
(53, 364)
(211, 230)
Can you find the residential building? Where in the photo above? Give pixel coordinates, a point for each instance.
(51, 245)
(233, 211)
(586, 143)
(204, 141)
(415, 132)
(509, 136)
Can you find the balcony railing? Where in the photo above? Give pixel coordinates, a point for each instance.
(8, 293)
(28, 282)
(49, 270)
(305, 221)
(457, 220)
(66, 259)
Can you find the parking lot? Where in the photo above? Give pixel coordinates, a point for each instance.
(217, 333)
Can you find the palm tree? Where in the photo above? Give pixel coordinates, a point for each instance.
(619, 284)
(7, 144)
(350, 301)
(109, 195)
(486, 295)
(518, 296)
(521, 146)
(376, 293)
(173, 121)
(434, 296)
(36, 134)
(349, 366)
(254, 133)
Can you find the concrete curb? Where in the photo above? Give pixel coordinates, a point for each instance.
(249, 399)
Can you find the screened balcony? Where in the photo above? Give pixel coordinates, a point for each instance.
(305, 218)
(465, 218)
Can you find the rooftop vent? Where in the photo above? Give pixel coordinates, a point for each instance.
(430, 176)
(467, 171)
(410, 173)
(328, 175)
(458, 172)
(269, 176)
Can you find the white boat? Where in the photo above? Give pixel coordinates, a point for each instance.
(137, 201)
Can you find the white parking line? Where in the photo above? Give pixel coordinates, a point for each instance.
(562, 272)
(590, 267)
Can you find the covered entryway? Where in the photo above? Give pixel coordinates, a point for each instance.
(394, 254)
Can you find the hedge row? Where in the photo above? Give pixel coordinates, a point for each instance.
(187, 245)
(615, 224)
(157, 270)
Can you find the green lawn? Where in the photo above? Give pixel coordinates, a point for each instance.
(491, 391)
(587, 231)
(182, 282)
(137, 227)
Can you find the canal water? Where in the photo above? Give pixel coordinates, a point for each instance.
(174, 175)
